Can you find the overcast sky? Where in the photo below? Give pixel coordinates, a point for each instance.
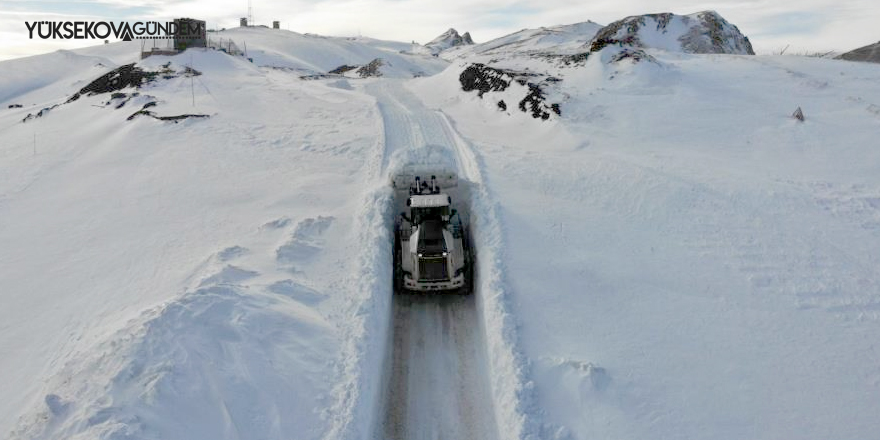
(771, 25)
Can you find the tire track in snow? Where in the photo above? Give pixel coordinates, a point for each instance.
(514, 403)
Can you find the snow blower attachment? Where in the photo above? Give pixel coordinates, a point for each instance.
(431, 245)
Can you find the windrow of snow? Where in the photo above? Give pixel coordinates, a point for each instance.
(702, 32)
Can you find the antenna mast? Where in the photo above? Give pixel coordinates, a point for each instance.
(250, 14)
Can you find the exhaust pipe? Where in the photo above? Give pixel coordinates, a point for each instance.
(418, 185)
(434, 185)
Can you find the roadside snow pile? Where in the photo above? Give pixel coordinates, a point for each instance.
(869, 53)
(448, 40)
(703, 32)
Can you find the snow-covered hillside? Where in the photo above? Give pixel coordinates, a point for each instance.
(563, 39)
(668, 254)
(702, 32)
(870, 53)
(449, 40)
(686, 260)
(314, 54)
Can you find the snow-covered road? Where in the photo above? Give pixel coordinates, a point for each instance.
(437, 382)
(438, 385)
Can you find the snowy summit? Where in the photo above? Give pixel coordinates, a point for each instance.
(449, 39)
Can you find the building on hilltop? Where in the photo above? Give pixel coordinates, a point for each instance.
(189, 32)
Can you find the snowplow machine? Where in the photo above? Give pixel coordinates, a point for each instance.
(432, 251)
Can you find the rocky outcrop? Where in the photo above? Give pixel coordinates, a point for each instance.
(486, 80)
(449, 39)
(123, 77)
(370, 69)
(702, 33)
(869, 53)
(117, 79)
(483, 78)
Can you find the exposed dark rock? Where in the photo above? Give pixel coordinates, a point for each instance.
(707, 32)
(342, 69)
(449, 39)
(607, 35)
(484, 79)
(121, 78)
(662, 19)
(535, 104)
(39, 114)
(116, 79)
(635, 55)
(189, 71)
(14, 105)
(371, 69)
(713, 26)
(174, 119)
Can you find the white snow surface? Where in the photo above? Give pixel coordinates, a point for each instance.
(563, 39)
(684, 259)
(449, 40)
(316, 54)
(673, 256)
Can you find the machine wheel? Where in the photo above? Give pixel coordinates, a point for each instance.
(468, 262)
